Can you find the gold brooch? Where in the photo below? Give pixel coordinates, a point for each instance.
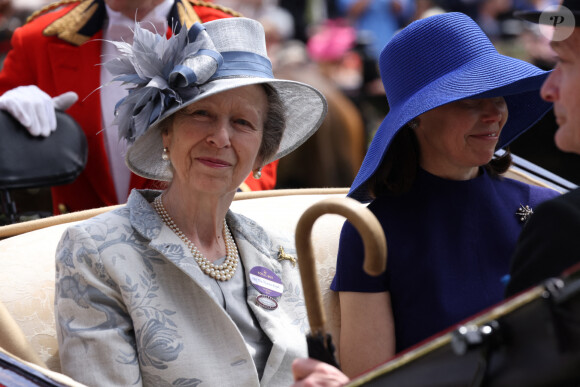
(283, 256)
(524, 212)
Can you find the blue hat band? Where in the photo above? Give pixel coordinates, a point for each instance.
(240, 64)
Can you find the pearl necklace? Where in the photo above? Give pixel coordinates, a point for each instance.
(222, 272)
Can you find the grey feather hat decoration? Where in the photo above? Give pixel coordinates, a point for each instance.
(164, 75)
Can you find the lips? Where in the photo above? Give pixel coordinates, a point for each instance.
(489, 135)
(213, 162)
(560, 120)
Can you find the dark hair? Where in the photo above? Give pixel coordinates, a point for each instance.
(396, 173)
(398, 170)
(274, 124)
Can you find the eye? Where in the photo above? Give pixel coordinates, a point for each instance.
(470, 103)
(200, 113)
(500, 101)
(244, 124)
(241, 121)
(194, 110)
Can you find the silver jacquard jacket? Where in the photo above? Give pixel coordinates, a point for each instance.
(132, 307)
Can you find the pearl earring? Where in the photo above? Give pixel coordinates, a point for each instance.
(258, 173)
(165, 154)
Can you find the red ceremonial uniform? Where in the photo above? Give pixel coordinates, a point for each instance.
(59, 50)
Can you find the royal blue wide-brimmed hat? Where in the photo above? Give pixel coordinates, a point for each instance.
(442, 59)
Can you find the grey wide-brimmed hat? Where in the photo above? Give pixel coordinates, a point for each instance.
(168, 74)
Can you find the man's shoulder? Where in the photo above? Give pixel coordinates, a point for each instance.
(208, 11)
(76, 21)
(73, 21)
(570, 201)
(62, 7)
(53, 11)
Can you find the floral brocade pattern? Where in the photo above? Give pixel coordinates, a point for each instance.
(157, 340)
(128, 287)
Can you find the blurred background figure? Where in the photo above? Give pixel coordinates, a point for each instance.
(489, 16)
(426, 8)
(378, 20)
(6, 27)
(343, 57)
(263, 10)
(58, 51)
(334, 39)
(332, 156)
(13, 14)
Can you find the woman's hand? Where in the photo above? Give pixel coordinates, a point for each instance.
(314, 373)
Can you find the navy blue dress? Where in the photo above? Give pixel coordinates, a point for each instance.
(449, 245)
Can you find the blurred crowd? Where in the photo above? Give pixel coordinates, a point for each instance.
(343, 38)
(335, 45)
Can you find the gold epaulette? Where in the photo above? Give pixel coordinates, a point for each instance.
(68, 26)
(48, 8)
(216, 6)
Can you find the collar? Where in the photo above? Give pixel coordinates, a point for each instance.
(88, 17)
(157, 16)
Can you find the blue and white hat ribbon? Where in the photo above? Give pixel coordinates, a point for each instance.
(164, 72)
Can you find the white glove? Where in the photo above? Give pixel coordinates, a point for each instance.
(35, 109)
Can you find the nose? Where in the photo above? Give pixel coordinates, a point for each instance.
(219, 135)
(549, 90)
(494, 110)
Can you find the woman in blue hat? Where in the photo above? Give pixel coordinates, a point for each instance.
(434, 182)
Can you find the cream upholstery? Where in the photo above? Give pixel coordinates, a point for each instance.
(27, 260)
(28, 250)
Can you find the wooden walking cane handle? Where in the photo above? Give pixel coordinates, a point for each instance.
(374, 241)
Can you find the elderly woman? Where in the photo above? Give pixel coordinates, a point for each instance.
(450, 218)
(174, 288)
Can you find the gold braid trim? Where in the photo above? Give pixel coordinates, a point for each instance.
(48, 8)
(67, 27)
(187, 16)
(216, 6)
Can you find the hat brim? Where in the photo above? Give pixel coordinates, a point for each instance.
(305, 109)
(486, 77)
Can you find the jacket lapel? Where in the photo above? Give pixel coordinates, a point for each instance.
(85, 20)
(80, 24)
(277, 323)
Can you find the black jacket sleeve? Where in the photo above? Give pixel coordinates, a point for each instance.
(549, 243)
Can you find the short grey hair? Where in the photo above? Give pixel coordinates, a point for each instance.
(274, 125)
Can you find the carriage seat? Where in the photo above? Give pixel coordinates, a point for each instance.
(27, 255)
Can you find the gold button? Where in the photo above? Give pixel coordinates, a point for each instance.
(62, 208)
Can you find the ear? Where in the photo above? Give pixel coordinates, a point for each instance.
(166, 136)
